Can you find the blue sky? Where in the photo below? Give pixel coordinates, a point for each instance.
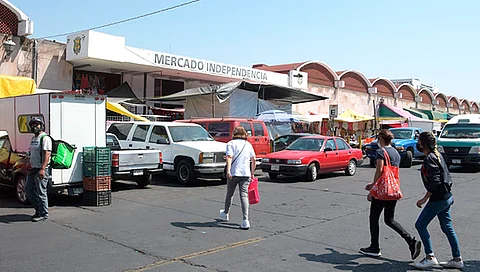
(436, 41)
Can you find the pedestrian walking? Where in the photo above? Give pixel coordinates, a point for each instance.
(386, 153)
(40, 172)
(240, 169)
(438, 183)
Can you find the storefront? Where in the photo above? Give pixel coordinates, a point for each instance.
(101, 61)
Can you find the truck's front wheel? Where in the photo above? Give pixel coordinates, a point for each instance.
(185, 172)
(408, 159)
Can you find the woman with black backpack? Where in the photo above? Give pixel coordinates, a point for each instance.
(438, 182)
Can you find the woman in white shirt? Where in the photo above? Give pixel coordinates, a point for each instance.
(240, 170)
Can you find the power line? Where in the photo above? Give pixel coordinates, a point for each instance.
(125, 20)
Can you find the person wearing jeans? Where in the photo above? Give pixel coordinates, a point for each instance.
(438, 182)
(387, 206)
(39, 175)
(241, 166)
(36, 190)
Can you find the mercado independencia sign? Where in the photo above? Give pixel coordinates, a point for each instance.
(209, 67)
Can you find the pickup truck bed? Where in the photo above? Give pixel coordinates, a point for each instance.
(137, 165)
(133, 164)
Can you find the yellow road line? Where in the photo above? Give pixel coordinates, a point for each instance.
(197, 254)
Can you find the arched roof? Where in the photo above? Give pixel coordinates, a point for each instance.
(21, 16)
(454, 98)
(437, 95)
(425, 90)
(409, 88)
(475, 105)
(343, 73)
(324, 65)
(465, 101)
(388, 81)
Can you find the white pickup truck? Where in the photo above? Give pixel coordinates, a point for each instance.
(187, 149)
(136, 165)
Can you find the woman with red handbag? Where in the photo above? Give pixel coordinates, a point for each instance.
(240, 170)
(384, 193)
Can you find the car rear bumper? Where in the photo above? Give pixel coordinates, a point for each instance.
(470, 159)
(285, 169)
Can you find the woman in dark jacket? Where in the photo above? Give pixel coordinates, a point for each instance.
(438, 182)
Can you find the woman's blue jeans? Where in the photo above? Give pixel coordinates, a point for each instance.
(441, 209)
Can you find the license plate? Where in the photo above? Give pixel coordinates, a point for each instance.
(275, 167)
(137, 172)
(457, 161)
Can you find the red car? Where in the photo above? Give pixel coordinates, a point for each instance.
(309, 156)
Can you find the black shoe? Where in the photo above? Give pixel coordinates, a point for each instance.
(39, 218)
(415, 248)
(371, 251)
(35, 215)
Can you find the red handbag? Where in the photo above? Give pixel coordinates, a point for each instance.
(253, 194)
(387, 187)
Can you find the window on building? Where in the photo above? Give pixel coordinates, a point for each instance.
(163, 87)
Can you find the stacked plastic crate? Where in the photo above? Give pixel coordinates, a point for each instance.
(97, 178)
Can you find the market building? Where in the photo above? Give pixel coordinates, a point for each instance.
(99, 62)
(352, 90)
(102, 62)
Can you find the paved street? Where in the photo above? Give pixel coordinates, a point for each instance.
(297, 226)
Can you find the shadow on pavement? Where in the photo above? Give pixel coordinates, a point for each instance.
(290, 179)
(213, 224)
(15, 218)
(464, 169)
(346, 262)
(471, 266)
(167, 180)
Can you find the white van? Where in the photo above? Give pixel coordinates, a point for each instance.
(187, 149)
(459, 141)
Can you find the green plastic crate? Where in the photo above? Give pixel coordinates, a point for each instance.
(96, 169)
(102, 198)
(97, 154)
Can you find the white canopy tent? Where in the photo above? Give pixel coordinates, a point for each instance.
(239, 99)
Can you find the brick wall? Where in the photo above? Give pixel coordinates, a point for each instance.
(8, 21)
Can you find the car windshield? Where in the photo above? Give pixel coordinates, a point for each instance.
(456, 131)
(306, 144)
(189, 134)
(402, 133)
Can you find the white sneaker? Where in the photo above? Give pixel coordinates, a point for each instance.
(224, 216)
(245, 225)
(426, 263)
(452, 264)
